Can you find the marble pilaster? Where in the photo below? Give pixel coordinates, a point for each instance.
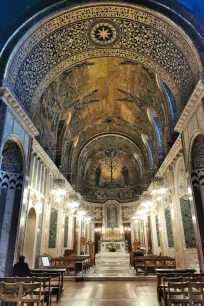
(5, 233)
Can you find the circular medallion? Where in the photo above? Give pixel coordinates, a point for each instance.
(103, 33)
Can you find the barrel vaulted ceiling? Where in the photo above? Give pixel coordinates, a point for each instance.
(106, 76)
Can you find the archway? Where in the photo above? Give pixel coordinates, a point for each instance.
(197, 163)
(11, 185)
(29, 245)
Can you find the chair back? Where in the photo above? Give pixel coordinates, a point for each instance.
(177, 288)
(7, 279)
(10, 292)
(192, 279)
(29, 288)
(168, 279)
(195, 290)
(37, 274)
(45, 281)
(23, 279)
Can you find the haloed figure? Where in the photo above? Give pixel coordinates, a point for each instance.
(125, 174)
(97, 175)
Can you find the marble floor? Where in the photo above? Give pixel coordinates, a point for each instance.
(109, 293)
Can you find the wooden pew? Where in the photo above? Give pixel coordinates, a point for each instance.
(149, 264)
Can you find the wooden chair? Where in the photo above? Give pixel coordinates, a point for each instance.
(29, 293)
(178, 294)
(56, 284)
(139, 265)
(150, 266)
(165, 281)
(46, 289)
(70, 266)
(160, 284)
(196, 291)
(11, 292)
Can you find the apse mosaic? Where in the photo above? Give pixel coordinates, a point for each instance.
(110, 169)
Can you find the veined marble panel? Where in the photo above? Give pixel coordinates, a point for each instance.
(53, 229)
(66, 228)
(157, 230)
(187, 223)
(169, 228)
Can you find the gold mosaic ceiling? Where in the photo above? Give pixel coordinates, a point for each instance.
(95, 70)
(102, 30)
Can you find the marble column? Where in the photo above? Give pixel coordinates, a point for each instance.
(196, 217)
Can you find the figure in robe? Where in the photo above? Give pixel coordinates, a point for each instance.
(97, 175)
(125, 174)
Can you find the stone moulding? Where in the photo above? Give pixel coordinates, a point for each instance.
(18, 112)
(190, 107)
(173, 153)
(36, 147)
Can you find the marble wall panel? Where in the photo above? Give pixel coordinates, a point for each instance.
(38, 239)
(169, 228)
(53, 229)
(187, 223)
(66, 228)
(157, 230)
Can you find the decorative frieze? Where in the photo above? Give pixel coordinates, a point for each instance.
(18, 113)
(191, 107)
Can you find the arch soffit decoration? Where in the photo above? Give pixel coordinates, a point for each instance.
(196, 133)
(175, 59)
(17, 140)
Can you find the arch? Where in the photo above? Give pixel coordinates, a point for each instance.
(147, 143)
(29, 244)
(172, 105)
(196, 164)
(196, 133)
(197, 153)
(15, 140)
(11, 173)
(98, 136)
(154, 119)
(22, 62)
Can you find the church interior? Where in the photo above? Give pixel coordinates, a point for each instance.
(102, 152)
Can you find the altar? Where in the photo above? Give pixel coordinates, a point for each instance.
(120, 245)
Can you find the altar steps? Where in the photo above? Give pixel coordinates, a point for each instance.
(115, 268)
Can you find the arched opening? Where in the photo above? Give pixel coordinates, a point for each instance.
(29, 245)
(197, 161)
(155, 121)
(11, 185)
